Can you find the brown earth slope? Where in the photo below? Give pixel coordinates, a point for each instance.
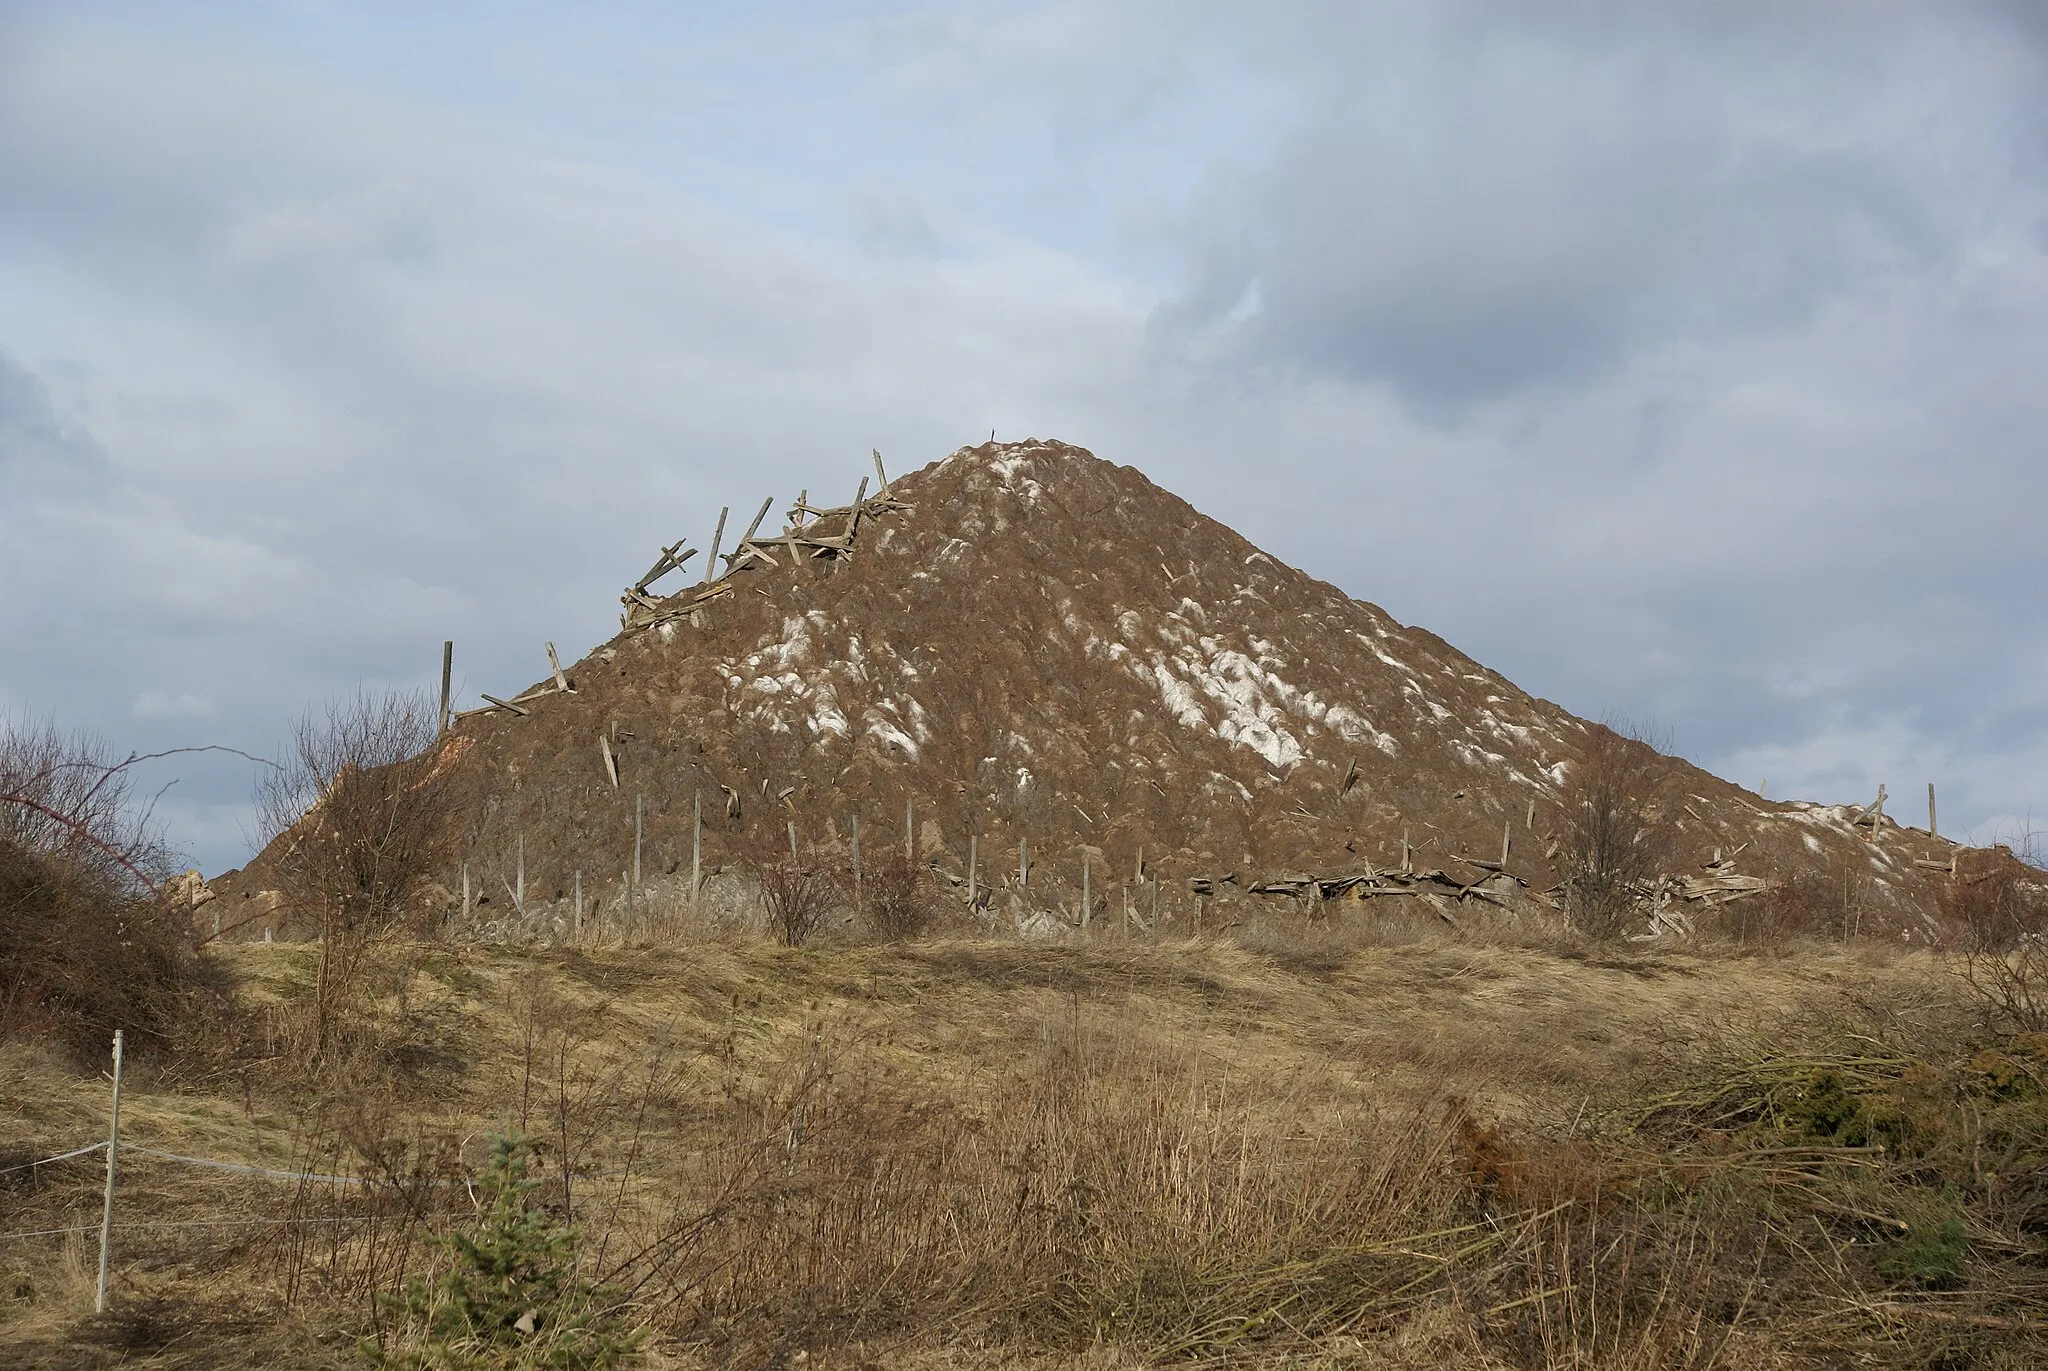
(1044, 647)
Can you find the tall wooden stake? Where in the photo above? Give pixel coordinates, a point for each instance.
(711, 563)
(519, 880)
(740, 548)
(99, 1299)
(1024, 863)
(637, 806)
(1087, 890)
(1932, 831)
(696, 844)
(1505, 830)
(465, 892)
(447, 676)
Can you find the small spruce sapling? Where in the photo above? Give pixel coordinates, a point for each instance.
(511, 1297)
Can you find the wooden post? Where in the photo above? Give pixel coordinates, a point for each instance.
(555, 665)
(447, 676)
(1932, 831)
(519, 880)
(792, 842)
(465, 892)
(1087, 891)
(879, 475)
(973, 852)
(856, 862)
(752, 529)
(711, 563)
(611, 763)
(1024, 862)
(696, 844)
(1407, 855)
(1530, 821)
(99, 1299)
(1504, 839)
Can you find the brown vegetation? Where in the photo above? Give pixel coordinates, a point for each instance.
(1426, 1152)
(796, 896)
(899, 902)
(88, 943)
(1996, 915)
(1611, 841)
(360, 816)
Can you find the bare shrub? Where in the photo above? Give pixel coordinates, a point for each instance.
(1610, 844)
(1995, 910)
(795, 896)
(1805, 904)
(88, 942)
(899, 904)
(360, 816)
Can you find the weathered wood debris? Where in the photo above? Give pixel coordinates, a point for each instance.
(1664, 898)
(1494, 886)
(809, 534)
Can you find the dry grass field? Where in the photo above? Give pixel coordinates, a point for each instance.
(1280, 1148)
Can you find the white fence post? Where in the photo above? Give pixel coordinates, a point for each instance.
(99, 1299)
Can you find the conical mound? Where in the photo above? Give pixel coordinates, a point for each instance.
(1026, 647)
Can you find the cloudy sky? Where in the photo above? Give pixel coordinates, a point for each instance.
(1686, 362)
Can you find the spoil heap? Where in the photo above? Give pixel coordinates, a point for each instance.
(1024, 644)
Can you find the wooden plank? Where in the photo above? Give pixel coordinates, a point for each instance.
(748, 536)
(561, 681)
(881, 477)
(506, 704)
(664, 564)
(711, 566)
(611, 763)
(860, 498)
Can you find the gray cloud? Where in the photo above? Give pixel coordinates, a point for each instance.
(1500, 200)
(32, 433)
(1676, 361)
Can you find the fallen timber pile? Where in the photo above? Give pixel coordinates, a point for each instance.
(809, 534)
(1664, 898)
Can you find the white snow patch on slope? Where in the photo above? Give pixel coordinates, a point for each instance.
(1258, 709)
